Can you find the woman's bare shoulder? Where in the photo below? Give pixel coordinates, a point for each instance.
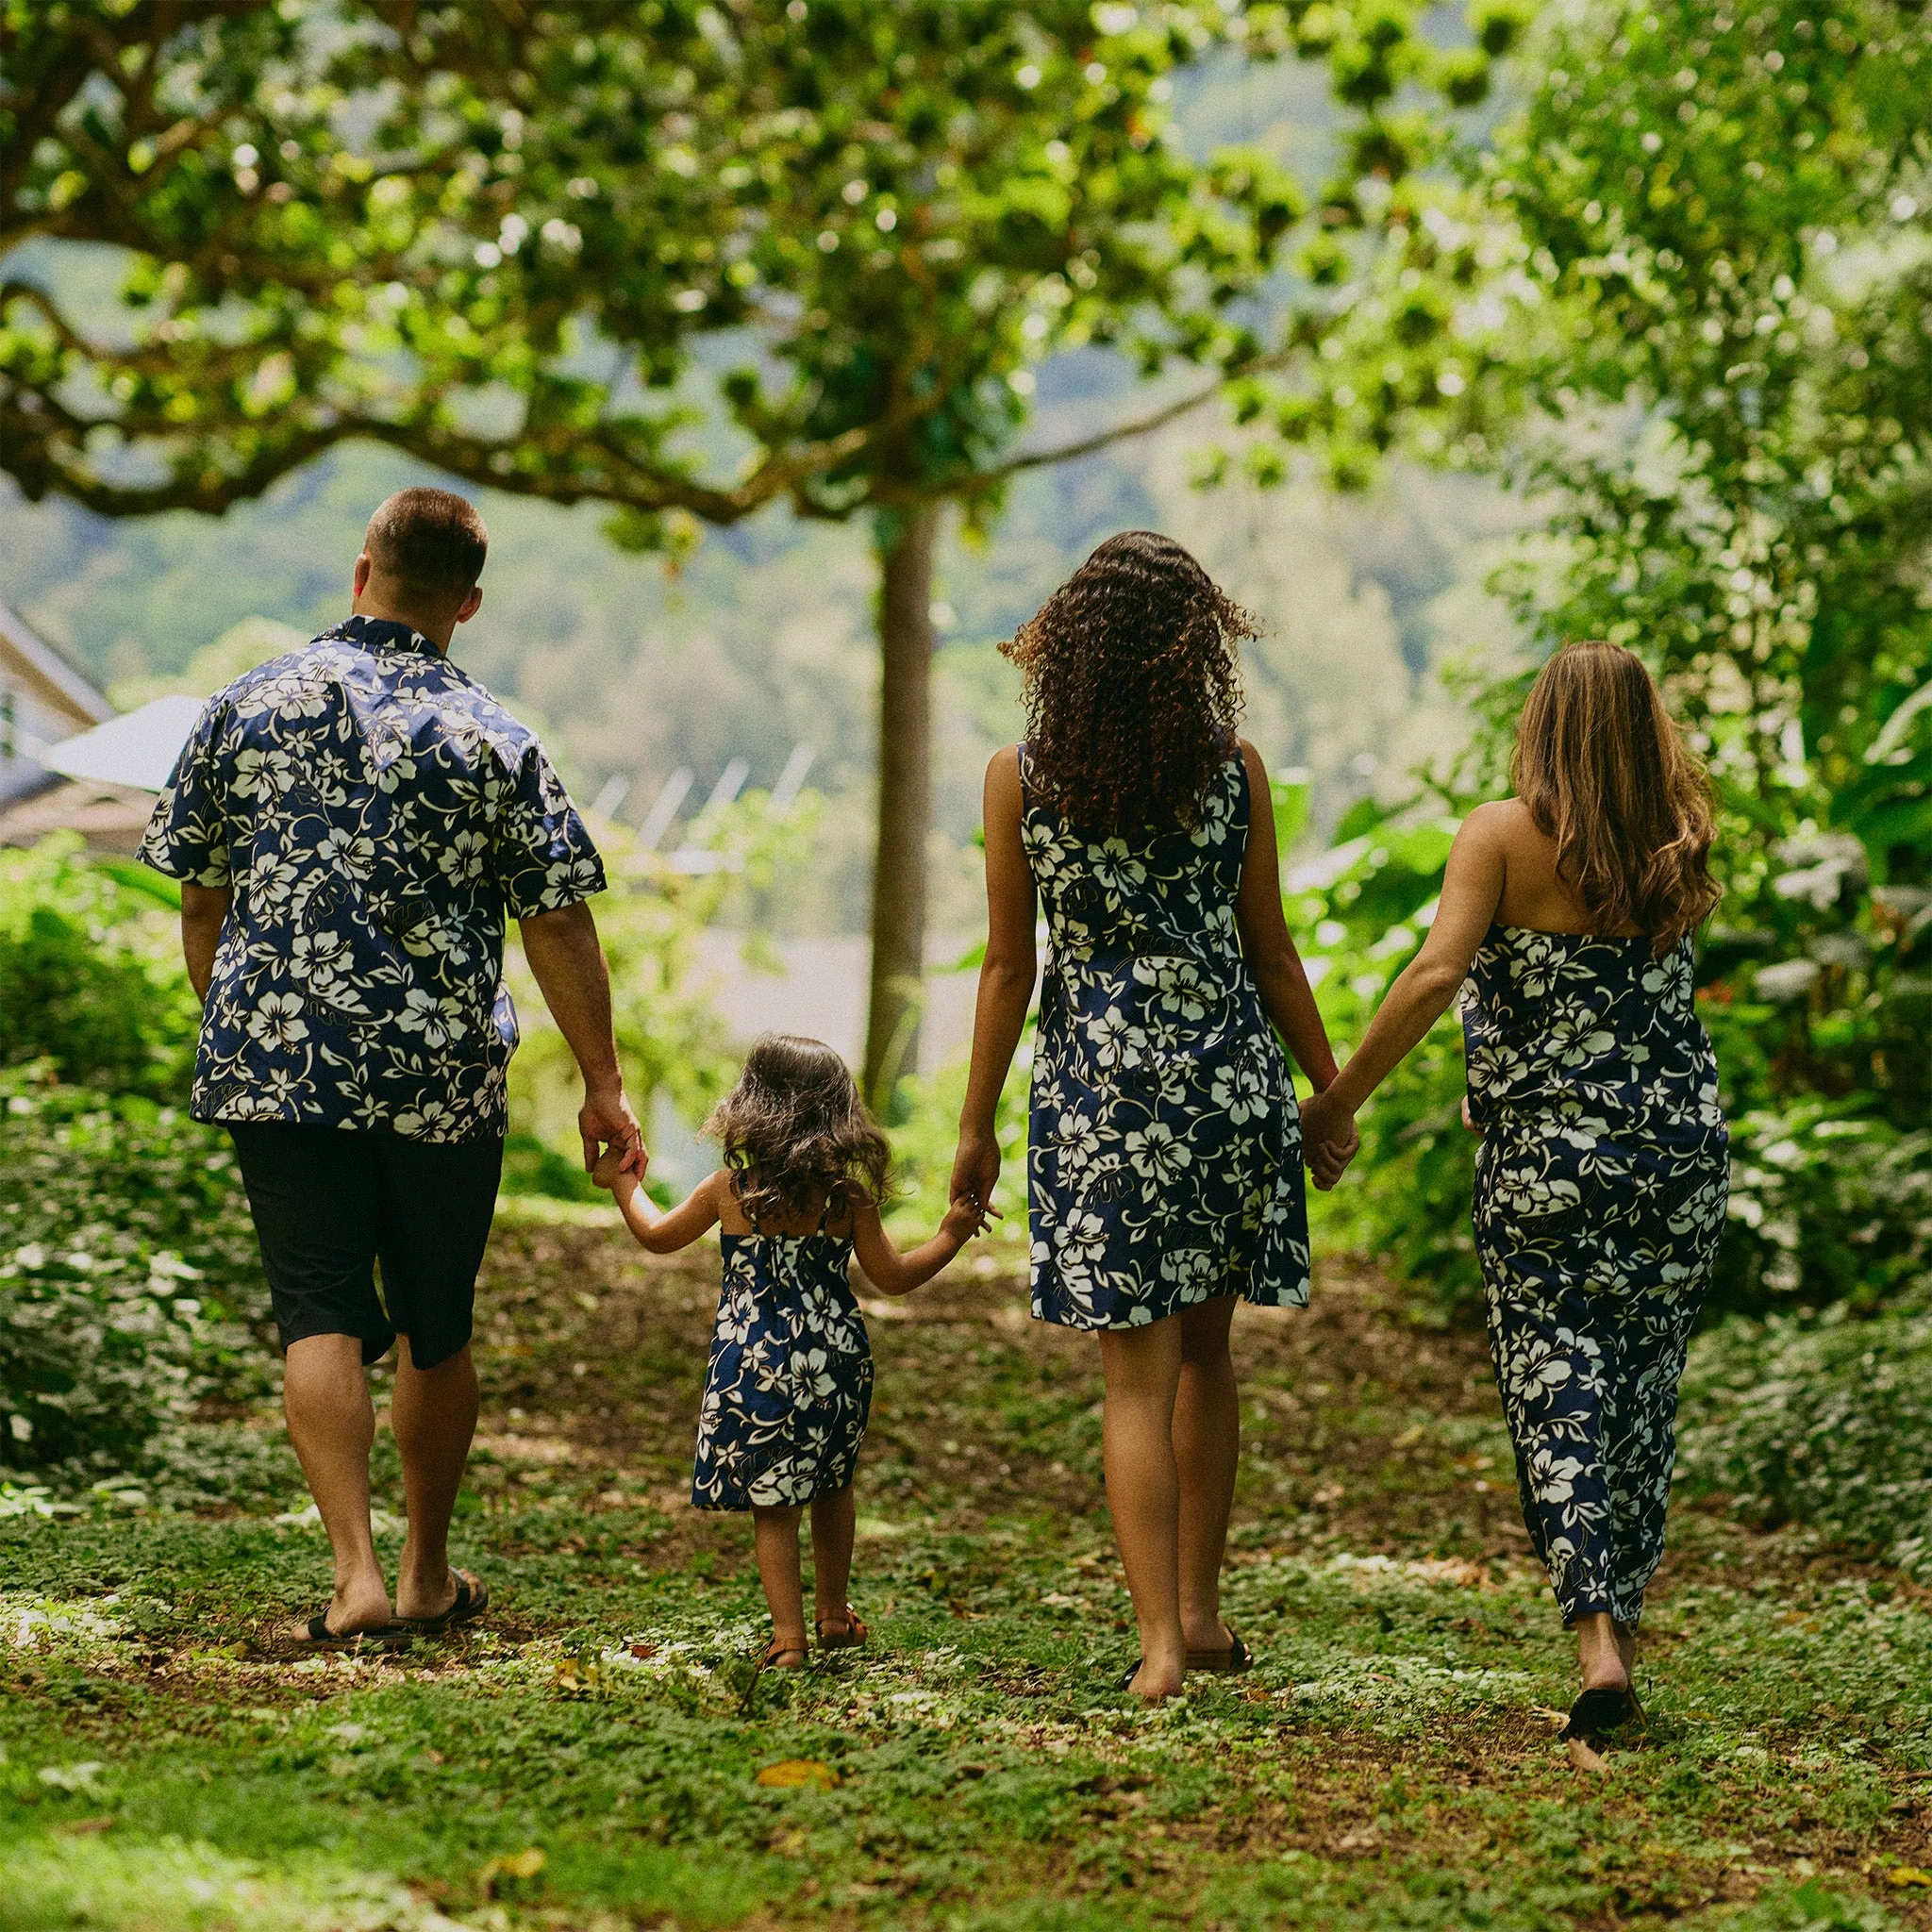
(1506, 823)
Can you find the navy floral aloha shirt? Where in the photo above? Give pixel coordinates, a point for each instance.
(377, 814)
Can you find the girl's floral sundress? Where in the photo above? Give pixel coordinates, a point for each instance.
(1164, 1160)
(790, 1382)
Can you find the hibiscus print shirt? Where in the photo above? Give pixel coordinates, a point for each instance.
(377, 814)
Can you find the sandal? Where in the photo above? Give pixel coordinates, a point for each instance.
(854, 1637)
(316, 1635)
(1125, 1681)
(776, 1651)
(1230, 1662)
(470, 1600)
(1598, 1715)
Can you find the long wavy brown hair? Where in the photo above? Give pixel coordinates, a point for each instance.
(793, 1129)
(1133, 685)
(1606, 775)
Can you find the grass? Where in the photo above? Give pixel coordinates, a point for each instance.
(590, 1757)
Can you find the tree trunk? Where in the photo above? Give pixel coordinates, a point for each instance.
(905, 546)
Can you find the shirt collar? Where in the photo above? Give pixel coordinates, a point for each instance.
(383, 632)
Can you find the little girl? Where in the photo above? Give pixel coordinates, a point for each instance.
(790, 1382)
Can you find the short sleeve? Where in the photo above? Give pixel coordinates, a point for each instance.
(544, 857)
(187, 834)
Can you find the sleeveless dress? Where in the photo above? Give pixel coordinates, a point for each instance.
(1165, 1159)
(1600, 1194)
(788, 1385)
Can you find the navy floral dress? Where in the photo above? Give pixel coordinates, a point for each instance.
(1600, 1195)
(1164, 1160)
(788, 1387)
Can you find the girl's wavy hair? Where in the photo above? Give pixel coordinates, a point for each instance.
(793, 1129)
(1133, 685)
(1606, 775)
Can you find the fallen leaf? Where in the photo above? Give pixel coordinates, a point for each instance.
(82, 1827)
(643, 1650)
(1903, 1875)
(523, 1864)
(799, 1773)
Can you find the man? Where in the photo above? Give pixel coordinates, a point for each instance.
(351, 824)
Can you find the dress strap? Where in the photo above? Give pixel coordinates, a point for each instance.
(826, 1212)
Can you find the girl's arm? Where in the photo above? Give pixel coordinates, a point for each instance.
(1006, 981)
(1285, 996)
(1472, 889)
(893, 1273)
(663, 1232)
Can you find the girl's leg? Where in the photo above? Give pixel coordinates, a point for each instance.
(1206, 1449)
(775, 1533)
(832, 1517)
(1142, 1367)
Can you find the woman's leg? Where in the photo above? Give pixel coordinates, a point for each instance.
(1206, 1449)
(775, 1534)
(832, 1520)
(1142, 1367)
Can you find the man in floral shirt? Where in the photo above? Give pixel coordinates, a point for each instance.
(352, 824)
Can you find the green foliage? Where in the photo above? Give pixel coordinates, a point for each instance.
(90, 978)
(855, 230)
(1821, 1420)
(129, 1281)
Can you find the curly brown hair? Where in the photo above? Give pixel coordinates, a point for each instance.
(1133, 685)
(794, 1128)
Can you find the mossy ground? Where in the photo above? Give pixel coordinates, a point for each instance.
(1391, 1762)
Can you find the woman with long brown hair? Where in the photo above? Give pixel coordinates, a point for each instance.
(1164, 1166)
(1602, 1178)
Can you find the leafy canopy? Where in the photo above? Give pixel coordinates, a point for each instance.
(686, 260)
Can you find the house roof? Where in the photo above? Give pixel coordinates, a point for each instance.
(136, 748)
(32, 661)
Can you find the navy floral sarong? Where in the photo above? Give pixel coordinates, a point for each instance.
(1600, 1198)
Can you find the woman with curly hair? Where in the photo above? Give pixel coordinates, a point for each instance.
(788, 1387)
(1566, 922)
(1164, 1163)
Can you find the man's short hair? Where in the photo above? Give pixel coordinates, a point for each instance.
(431, 542)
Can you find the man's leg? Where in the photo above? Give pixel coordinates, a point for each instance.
(312, 1193)
(332, 1422)
(437, 1204)
(433, 1412)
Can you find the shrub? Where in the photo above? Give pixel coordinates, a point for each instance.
(91, 975)
(128, 1277)
(1823, 1420)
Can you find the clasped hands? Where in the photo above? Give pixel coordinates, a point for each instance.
(1329, 1139)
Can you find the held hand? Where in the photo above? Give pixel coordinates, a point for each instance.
(605, 1122)
(965, 1219)
(1329, 1161)
(1468, 1118)
(613, 1175)
(975, 1168)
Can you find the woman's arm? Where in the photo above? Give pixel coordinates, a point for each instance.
(893, 1273)
(1006, 980)
(663, 1232)
(1472, 889)
(1287, 997)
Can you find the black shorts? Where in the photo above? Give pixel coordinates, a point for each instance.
(330, 1203)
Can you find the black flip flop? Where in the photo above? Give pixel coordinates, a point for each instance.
(1230, 1662)
(1598, 1715)
(1127, 1683)
(472, 1599)
(318, 1636)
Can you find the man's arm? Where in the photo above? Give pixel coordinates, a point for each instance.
(563, 953)
(204, 912)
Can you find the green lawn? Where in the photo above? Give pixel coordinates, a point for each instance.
(590, 1757)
